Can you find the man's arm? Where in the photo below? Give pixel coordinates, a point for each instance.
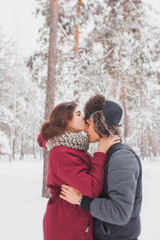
(122, 180)
(73, 196)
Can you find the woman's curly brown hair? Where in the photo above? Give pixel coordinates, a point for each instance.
(59, 118)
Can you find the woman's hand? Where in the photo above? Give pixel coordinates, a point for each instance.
(106, 142)
(70, 194)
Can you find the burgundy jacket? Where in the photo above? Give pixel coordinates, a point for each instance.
(76, 168)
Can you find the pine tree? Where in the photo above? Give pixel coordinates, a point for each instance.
(50, 93)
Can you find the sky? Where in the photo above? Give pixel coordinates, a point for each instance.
(20, 24)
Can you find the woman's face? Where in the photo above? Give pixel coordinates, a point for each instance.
(77, 123)
(90, 131)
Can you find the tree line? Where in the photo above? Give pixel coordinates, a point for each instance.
(108, 47)
(111, 47)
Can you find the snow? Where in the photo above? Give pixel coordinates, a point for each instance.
(22, 207)
(151, 201)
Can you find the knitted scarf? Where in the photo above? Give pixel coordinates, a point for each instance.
(73, 140)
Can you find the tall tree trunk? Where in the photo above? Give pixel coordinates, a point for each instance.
(22, 147)
(50, 81)
(154, 147)
(76, 82)
(77, 26)
(14, 144)
(123, 82)
(142, 143)
(14, 127)
(158, 77)
(123, 89)
(33, 146)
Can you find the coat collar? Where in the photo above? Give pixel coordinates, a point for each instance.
(73, 140)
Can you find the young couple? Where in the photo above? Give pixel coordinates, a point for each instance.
(95, 197)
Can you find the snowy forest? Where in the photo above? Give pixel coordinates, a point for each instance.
(84, 47)
(108, 47)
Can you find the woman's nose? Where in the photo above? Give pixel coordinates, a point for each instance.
(85, 130)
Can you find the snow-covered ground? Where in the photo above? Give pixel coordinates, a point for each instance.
(22, 207)
(21, 204)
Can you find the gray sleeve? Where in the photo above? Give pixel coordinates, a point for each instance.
(122, 180)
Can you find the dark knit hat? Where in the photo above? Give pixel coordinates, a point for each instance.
(103, 113)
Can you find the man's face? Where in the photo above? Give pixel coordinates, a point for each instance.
(90, 131)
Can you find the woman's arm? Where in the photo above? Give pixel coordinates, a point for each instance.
(73, 170)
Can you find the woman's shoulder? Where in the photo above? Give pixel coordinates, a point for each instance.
(63, 154)
(67, 150)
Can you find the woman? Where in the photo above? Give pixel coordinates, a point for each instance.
(70, 164)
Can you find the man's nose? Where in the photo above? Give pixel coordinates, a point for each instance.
(85, 130)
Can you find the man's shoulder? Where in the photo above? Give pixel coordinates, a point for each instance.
(124, 157)
(121, 148)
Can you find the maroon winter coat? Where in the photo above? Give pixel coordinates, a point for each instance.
(62, 220)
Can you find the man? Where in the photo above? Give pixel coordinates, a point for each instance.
(116, 212)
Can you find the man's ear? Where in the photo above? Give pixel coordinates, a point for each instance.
(99, 124)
